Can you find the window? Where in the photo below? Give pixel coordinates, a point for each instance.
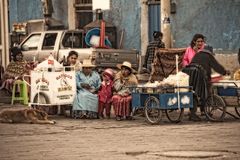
(73, 40)
(84, 14)
(49, 41)
(153, 1)
(31, 43)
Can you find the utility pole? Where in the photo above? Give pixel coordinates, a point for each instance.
(144, 26)
(165, 22)
(4, 35)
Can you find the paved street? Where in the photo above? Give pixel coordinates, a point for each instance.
(109, 139)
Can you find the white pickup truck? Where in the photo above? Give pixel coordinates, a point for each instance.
(38, 46)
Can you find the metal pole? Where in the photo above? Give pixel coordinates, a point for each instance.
(165, 22)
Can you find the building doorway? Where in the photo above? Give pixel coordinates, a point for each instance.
(154, 17)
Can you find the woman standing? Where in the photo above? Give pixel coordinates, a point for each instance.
(122, 96)
(196, 45)
(85, 104)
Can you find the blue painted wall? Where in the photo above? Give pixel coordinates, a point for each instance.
(24, 10)
(218, 20)
(125, 14)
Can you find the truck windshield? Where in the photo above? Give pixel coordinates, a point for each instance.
(72, 40)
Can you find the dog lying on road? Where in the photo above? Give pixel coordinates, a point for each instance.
(25, 116)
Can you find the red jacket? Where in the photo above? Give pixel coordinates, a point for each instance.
(105, 92)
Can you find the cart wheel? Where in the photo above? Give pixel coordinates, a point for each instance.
(151, 109)
(174, 115)
(237, 109)
(215, 108)
(41, 100)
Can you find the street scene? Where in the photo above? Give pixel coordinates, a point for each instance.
(119, 79)
(111, 139)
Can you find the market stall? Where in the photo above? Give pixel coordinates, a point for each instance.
(164, 63)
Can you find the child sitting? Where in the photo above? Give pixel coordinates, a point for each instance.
(105, 93)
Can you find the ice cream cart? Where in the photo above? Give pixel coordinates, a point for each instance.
(52, 88)
(52, 84)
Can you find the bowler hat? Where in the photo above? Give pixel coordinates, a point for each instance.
(126, 64)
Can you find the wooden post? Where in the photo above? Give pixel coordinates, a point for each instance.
(165, 22)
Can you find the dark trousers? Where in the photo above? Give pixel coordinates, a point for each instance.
(102, 106)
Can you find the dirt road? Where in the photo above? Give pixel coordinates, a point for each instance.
(109, 139)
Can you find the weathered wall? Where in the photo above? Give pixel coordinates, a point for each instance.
(218, 20)
(125, 14)
(24, 10)
(229, 61)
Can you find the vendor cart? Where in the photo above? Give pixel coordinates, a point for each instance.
(228, 92)
(52, 87)
(155, 100)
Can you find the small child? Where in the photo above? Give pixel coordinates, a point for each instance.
(105, 93)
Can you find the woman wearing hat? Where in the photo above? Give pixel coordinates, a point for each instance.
(85, 104)
(122, 96)
(15, 70)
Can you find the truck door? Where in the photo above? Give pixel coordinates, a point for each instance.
(49, 45)
(30, 46)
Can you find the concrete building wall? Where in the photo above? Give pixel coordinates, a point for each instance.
(218, 20)
(126, 15)
(24, 10)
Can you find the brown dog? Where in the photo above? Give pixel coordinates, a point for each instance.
(25, 116)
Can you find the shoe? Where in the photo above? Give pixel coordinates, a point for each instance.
(194, 117)
(101, 117)
(118, 118)
(129, 118)
(203, 113)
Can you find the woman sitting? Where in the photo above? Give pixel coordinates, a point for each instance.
(15, 70)
(85, 104)
(122, 97)
(72, 60)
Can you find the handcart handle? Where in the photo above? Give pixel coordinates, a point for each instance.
(25, 80)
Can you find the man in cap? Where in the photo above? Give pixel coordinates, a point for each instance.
(156, 43)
